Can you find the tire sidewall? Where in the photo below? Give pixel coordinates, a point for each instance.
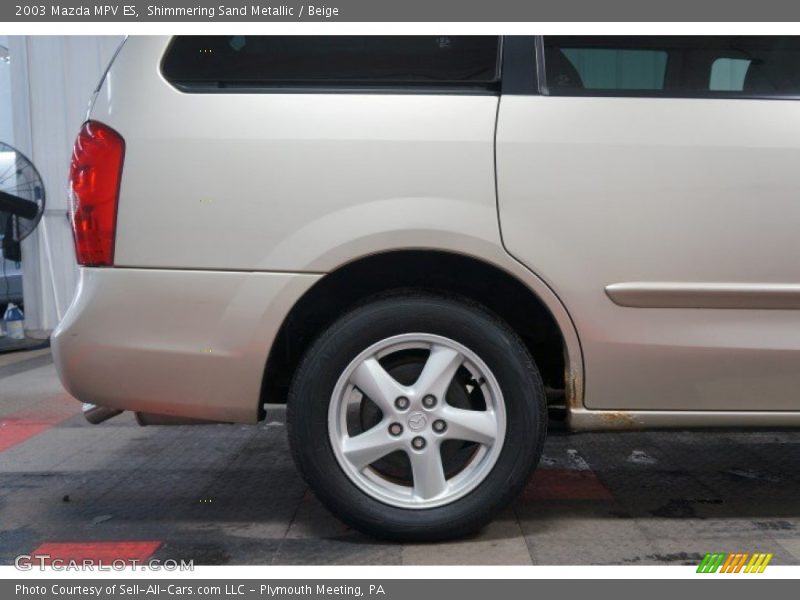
(486, 336)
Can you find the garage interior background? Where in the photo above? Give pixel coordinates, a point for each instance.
(45, 86)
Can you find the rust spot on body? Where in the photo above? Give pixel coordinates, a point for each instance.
(619, 419)
(573, 390)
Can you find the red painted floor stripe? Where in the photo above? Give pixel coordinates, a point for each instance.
(24, 424)
(565, 484)
(13, 432)
(105, 552)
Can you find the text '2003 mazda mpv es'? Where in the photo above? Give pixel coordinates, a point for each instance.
(421, 244)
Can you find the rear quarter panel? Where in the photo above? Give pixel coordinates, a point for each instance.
(293, 182)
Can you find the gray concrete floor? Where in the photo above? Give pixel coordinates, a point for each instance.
(229, 494)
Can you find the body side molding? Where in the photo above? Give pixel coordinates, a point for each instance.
(753, 296)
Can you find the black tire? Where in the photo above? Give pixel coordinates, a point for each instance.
(468, 324)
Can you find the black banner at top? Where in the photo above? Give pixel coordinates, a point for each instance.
(399, 10)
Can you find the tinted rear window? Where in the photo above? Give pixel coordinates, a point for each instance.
(703, 66)
(602, 69)
(223, 61)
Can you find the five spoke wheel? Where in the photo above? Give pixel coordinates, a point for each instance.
(418, 419)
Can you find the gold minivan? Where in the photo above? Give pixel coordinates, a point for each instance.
(427, 245)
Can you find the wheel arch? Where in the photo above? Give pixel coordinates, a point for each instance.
(508, 289)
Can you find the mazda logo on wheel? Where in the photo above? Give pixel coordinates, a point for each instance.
(417, 421)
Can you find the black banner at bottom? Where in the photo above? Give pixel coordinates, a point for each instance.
(389, 589)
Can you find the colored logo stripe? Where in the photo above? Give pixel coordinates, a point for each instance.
(758, 563)
(711, 562)
(733, 563)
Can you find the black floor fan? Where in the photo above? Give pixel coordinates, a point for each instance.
(22, 200)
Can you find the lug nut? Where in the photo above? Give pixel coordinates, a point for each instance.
(418, 443)
(429, 401)
(395, 429)
(439, 426)
(401, 403)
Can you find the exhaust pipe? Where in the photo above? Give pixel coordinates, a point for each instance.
(97, 414)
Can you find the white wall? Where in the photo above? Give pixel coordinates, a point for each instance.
(52, 79)
(6, 123)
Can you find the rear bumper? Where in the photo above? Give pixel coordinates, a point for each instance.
(183, 343)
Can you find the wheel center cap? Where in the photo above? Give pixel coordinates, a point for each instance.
(417, 421)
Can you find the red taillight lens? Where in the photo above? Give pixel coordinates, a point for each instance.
(94, 178)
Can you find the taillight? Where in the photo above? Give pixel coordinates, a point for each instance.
(94, 178)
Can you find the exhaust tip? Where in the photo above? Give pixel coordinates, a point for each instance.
(97, 414)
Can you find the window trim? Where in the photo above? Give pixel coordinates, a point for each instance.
(517, 76)
(366, 89)
(458, 88)
(544, 90)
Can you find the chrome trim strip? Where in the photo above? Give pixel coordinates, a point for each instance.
(766, 296)
(581, 419)
(541, 77)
